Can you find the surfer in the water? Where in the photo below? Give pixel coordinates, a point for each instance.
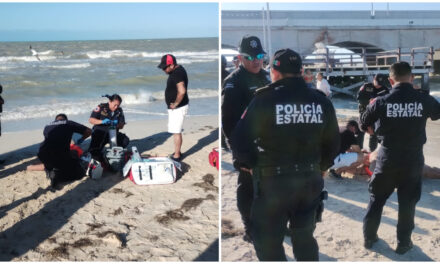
(34, 53)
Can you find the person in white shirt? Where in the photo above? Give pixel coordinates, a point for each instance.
(322, 84)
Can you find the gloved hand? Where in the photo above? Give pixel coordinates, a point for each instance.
(78, 141)
(114, 122)
(106, 121)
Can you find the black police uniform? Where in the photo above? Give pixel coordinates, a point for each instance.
(365, 94)
(399, 119)
(238, 90)
(100, 135)
(55, 152)
(288, 135)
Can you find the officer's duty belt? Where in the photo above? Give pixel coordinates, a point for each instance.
(277, 170)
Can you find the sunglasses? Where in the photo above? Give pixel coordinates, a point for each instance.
(164, 68)
(251, 58)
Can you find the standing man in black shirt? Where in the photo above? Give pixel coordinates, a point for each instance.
(369, 91)
(399, 120)
(176, 98)
(102, 117)
(59, 163)
(288, 136)
(238, 90)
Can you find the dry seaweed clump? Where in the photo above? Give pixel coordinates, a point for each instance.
(171, 215)
(228, 229)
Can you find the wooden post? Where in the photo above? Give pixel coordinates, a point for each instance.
(364, 61)
(425, 82)
(399, 54)
(412, 57)
(327, 61)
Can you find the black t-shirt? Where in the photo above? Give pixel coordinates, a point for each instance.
(347, 139)
(57, 135)
(175, 77)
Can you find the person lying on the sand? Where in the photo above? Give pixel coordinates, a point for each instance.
(428, 171)
(350, 153)
(59, 163)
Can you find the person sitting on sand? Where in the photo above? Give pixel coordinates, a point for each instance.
(350, 153)
(59, 163)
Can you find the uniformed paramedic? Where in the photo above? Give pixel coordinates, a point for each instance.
(102, 117)
(369, 91)
(238, 90)
(399, 120)
(289, 136)
(59, 163)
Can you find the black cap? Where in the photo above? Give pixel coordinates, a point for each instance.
(251, 45)
(286, 61)
(166, 60)
(380, 77)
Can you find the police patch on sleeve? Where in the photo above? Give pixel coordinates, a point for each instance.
(373, 100)
(97, 109)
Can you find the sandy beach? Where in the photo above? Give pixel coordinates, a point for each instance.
(112, 219)
(339, 235)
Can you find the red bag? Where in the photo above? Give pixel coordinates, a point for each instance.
(213, 158)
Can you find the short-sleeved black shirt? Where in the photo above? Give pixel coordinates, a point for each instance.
(57, 135)
(175, 77)
(347, 139)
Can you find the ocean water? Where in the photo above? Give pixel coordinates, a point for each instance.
(73, 75)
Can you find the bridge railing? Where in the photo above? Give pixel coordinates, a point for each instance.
(367, 58)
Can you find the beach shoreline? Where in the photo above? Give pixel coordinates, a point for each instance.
(112, 219)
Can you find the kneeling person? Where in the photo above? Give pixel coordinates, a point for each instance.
(102, 117)
(59, 163)
(350, 154)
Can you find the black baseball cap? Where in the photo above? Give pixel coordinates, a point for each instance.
(286, 61)
(250, 45)
(166, 60)
(381, 79)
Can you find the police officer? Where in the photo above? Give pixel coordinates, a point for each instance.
(288, 135)
(102, 117)
(368, 91)
(238, 90)
(59, 163)
(399, 120)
